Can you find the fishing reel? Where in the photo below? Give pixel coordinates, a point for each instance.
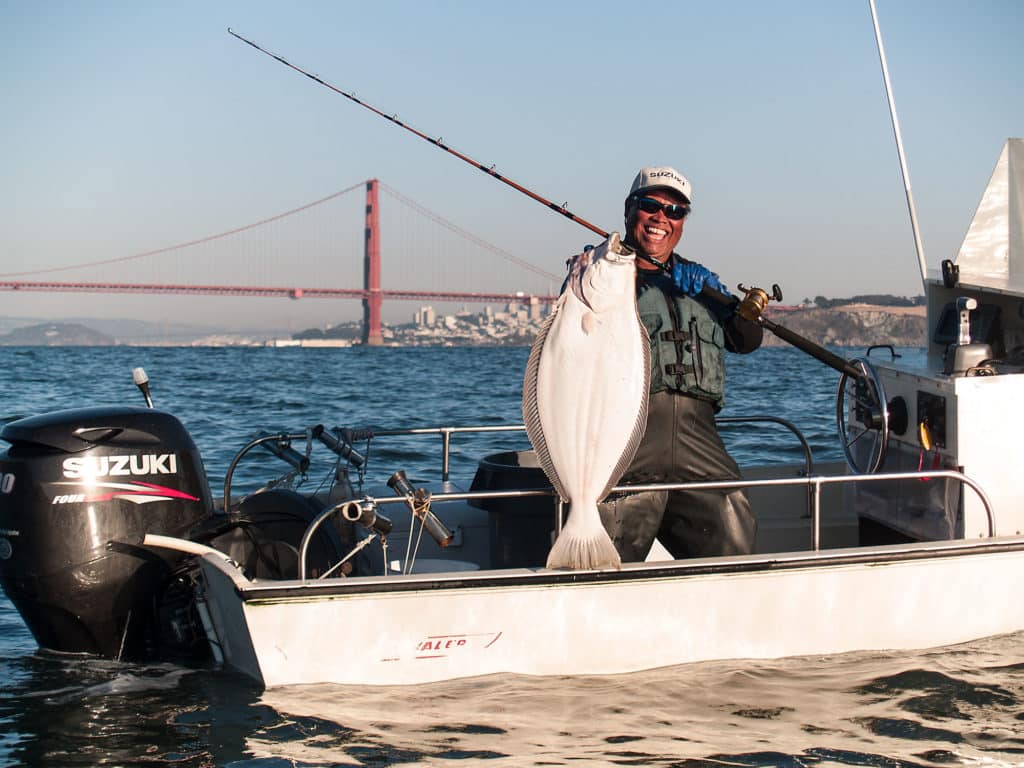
(755, 301)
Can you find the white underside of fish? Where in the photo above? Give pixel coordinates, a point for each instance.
(585, 398)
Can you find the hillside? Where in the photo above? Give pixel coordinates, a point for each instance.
(847, 325)
(56, 335)
(853, 325)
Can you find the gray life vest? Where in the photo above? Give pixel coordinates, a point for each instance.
(687, 341)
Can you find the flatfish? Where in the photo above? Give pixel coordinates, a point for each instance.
(585, 396)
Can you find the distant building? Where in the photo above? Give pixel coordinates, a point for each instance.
(536, 308)
(425, 317)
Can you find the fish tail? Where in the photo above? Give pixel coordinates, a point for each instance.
(584, 548)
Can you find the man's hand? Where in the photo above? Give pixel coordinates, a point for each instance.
(691, 277)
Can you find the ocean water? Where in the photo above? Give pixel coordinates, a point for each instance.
(953, 706)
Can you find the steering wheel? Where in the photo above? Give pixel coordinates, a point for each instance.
(864, 418)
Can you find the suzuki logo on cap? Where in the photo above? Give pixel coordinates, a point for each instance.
(659, 174)
(662, 176)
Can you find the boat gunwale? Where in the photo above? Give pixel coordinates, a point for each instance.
(880, 555)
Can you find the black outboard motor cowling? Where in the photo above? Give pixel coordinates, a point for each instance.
(79, 489)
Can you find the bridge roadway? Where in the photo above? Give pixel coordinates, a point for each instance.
(267, 291)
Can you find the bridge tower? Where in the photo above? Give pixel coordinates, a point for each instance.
(371, 270)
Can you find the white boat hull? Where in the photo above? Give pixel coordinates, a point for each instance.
(408, 629)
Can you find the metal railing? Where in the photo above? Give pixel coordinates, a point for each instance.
(446, 438)
(447, 432)
(814, 485)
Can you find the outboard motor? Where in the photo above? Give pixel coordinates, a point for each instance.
(78, 491)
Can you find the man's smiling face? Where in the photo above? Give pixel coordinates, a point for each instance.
(655, 234)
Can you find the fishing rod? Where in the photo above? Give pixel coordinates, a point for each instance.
(436, 142)
(489, 170)
(751, 307)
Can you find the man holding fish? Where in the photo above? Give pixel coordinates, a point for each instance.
(688, 336)
(622, 385)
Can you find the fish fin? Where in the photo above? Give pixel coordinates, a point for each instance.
(640, 426)
(588, 549)
(588, 322)
(531, 412)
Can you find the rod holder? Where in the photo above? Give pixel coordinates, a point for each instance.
(419, 503)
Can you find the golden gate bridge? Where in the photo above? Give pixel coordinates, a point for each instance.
(292, 247)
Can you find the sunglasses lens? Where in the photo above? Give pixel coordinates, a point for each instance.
(672, 210)
(648, 205)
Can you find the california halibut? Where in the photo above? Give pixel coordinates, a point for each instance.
(585, 396)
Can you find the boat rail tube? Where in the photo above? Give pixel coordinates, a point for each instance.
(447, 432)
(814, 485)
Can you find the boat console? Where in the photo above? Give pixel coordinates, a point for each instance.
(962, 410)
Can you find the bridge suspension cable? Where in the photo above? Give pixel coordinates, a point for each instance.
(189, 243)
(405, 201)
(451, 226)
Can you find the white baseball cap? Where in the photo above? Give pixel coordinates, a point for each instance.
(662, 178)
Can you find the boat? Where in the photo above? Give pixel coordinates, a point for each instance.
(113, 543)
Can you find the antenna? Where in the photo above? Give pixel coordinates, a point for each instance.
(142, 382)
(923, 265)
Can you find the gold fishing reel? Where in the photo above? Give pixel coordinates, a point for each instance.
(755, 301)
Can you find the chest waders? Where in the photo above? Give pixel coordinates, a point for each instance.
(681, 442)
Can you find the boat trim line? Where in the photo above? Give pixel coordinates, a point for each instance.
(542, 577)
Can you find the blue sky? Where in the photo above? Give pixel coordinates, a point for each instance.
(129, 126)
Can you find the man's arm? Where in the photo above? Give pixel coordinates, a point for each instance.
(741, 335)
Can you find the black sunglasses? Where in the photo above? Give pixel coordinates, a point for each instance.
(672, 211)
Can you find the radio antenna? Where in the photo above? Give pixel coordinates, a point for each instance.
(922, 264)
